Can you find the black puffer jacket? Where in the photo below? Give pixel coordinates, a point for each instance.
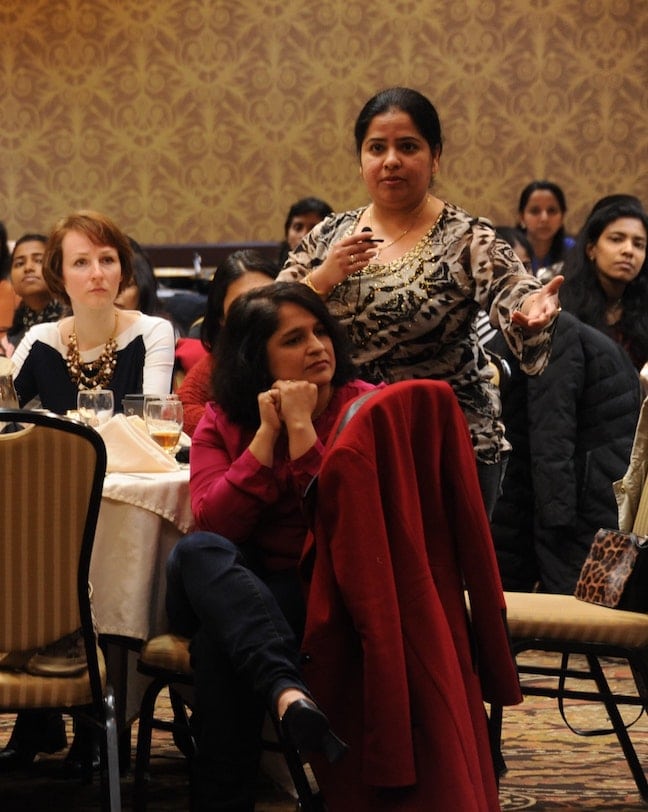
(572, 429)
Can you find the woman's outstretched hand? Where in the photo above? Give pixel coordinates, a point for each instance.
(540, 308)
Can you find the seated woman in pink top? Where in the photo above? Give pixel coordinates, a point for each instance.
(282, 376)
(241, 271)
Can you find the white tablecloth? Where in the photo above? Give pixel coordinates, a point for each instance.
(141, 518)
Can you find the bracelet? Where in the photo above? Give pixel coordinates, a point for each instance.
(309, 283)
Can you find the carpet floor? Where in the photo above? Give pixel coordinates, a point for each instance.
(549, 768)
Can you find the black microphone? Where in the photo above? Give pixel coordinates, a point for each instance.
(375, 239)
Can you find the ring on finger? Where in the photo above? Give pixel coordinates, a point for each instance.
(352, 259)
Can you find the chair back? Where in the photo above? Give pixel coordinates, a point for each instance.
(53, 471)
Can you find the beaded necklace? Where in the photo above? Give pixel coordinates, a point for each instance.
(94, 374)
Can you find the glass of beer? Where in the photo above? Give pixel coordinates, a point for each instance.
(163, 417)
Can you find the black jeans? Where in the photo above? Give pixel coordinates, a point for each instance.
(244, 653)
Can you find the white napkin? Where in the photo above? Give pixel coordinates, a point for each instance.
(130, 449)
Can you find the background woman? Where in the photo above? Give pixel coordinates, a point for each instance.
(37, 303)
(606, 277)
(541, 213)
(409, 300)
(302, 216)
(87, 262)
(241, 271)
(281, 377)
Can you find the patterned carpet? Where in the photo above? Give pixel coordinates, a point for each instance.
(549, 768)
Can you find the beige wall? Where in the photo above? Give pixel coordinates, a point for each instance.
(203, 120)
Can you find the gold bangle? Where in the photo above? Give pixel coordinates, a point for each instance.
(309, 283)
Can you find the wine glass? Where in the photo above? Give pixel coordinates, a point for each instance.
(95, 406)
(163, 417)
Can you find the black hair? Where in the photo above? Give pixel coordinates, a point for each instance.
(234, 267)
(582, 293)
(145, 281)
(306, 205)
(4, 252)
(557, 248)
(415, 104)
(29, 237)
(241, 370)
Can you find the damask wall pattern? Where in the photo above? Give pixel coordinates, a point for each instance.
(203, 120)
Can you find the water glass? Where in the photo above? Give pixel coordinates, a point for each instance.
(164, 417)
(95, 406)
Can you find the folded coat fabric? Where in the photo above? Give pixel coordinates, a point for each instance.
(129, 447)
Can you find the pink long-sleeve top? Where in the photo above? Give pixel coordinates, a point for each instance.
(234, 495)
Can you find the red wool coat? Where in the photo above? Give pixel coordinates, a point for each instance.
(400, 530)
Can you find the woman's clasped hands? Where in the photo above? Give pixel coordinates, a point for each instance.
(291, 404)
(288, 402)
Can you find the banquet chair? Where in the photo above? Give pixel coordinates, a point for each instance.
(566, 626)
(54, 470)
(165, 659)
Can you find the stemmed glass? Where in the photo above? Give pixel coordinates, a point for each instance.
(164, 417)
(95, 406)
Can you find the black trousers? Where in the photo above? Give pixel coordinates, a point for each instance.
(245, 632)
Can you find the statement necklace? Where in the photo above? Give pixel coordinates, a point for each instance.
(381, 248)
(95, 374)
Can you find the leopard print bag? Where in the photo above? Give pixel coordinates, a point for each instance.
(615, 572)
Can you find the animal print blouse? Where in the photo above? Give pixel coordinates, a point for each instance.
(415, 317)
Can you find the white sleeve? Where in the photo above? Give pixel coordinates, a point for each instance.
(21, 353)
(159, 340)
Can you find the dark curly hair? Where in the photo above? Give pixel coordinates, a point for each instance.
(241, 370)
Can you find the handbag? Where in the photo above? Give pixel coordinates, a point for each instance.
(615, 572)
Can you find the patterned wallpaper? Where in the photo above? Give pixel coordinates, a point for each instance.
(203, 120)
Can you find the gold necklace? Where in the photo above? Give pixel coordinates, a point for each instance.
(381, 248)
(95, 374)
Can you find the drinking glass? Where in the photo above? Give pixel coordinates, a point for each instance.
(95, 406)
(163, 417)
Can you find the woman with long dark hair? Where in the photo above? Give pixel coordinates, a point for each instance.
(606, 277)
(282, 374)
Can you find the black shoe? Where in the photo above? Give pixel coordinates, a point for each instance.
(35, 731)
(305, 727)
(13, 759)
(75, 763)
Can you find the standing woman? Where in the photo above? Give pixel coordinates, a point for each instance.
(606, 278)
(37, 303)
(407, 274)
(541, 213)
(87, 262)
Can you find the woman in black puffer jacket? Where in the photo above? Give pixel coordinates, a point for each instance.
(571, 429)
